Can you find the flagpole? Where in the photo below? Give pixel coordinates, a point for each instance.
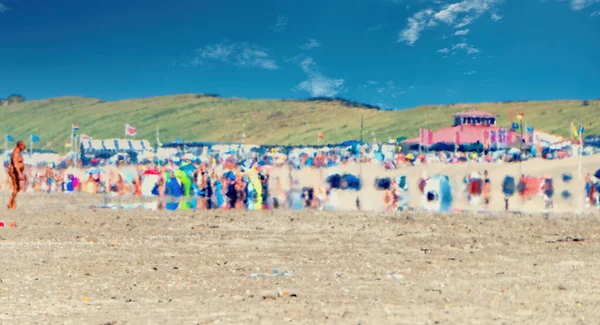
(157, 140)
(360, 161)
(420, 139)
(521, 149)
(579, 170)
(73, 145)
(77, 145)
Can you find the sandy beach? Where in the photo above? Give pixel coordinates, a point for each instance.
(66, 264)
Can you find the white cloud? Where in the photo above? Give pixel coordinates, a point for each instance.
(462, 32)
(388, 88)
(464, 22)
(458, 14)
(416, 25)
(595, 13)
(468, 48)
(450, 12)
(472, 72)
(444, 50)
(280, 25)
(496, 17)
(317, 85)
(3, 7)
(238, 54)
(255, 57)
(218, 52)
(320, 86)
(582, 4)
(312, 43)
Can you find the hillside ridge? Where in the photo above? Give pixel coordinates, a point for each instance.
(207, 117)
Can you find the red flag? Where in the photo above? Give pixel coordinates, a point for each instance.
(422, 134)
(130, 130)
(430, 137)
(520, 115)
(320, 136)
(512, 117)
(457, 138)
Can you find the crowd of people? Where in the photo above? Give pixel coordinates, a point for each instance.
(227, 182)
(209, 186)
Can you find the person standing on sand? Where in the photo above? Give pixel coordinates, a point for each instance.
(15, 172)
(487, 189)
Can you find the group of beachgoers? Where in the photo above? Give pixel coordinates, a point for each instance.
(225, 183)
(210, 187)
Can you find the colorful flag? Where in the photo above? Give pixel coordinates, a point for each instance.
(512, 115)
(320, 135)
(68, 144)
(130, 130)
(502, 137)
(580, 130)
(9, 138)
(486, 139)
(575, 133)
(34, 138)
(430, 137)
(457, 138)
(75, 127)
(509, 138)
(85, 137)
(493, 138)
(520, 115)
(423, 136)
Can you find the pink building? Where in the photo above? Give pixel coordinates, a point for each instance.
(470, 127)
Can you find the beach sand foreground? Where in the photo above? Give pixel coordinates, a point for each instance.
(68, 265)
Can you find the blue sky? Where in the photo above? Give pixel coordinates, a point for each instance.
(392, 53)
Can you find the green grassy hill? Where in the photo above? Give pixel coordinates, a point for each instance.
(196, 117)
